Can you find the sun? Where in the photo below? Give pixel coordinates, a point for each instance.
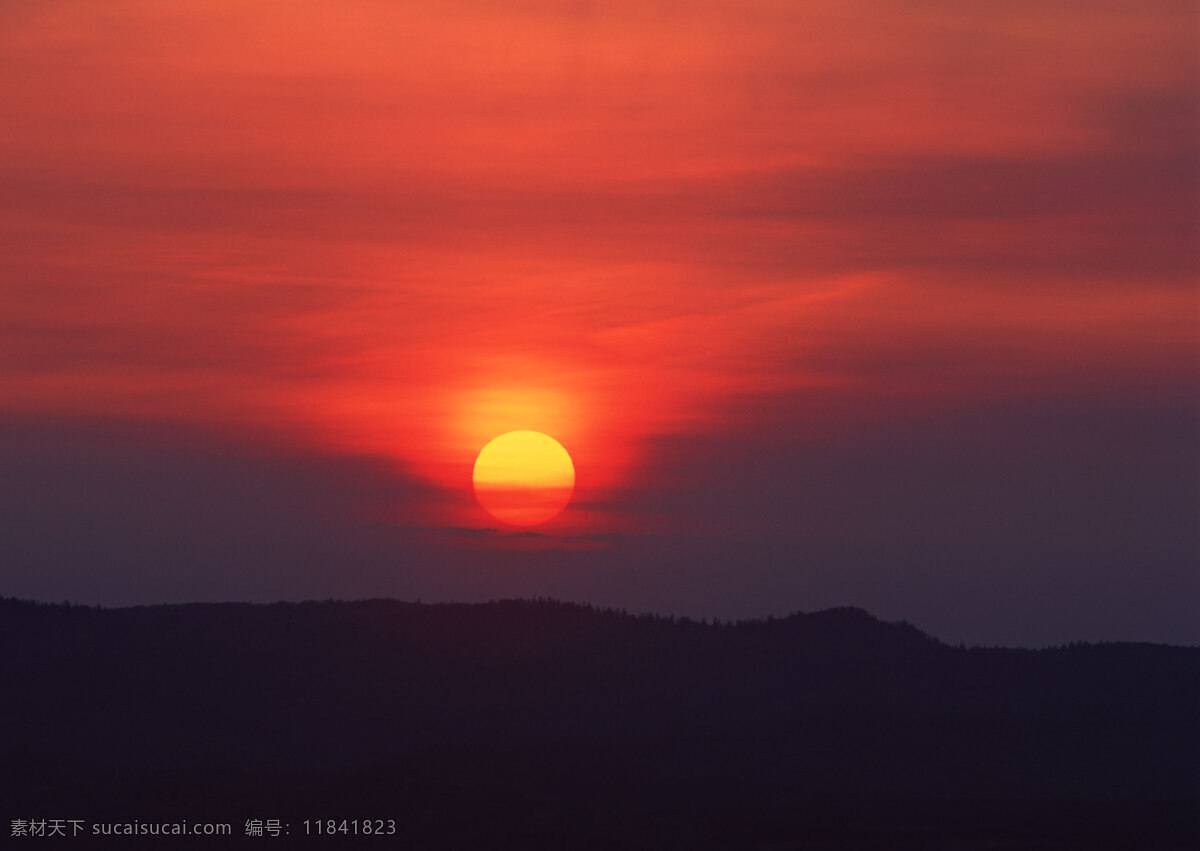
(524, 478)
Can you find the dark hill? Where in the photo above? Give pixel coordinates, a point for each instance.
(542, 724)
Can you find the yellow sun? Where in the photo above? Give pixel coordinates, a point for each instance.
(523, 478)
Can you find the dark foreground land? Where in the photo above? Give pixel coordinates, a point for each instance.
(545, 725)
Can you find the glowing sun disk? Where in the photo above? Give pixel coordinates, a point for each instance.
(523, 478)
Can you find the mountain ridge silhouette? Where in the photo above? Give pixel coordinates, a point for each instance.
(562, 707)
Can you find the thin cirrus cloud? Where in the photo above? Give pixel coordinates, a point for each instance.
(397, 230)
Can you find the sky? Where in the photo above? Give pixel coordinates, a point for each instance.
(875, 303)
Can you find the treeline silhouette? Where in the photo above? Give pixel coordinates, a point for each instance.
(539, 724)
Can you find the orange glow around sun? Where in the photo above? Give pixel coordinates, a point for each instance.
(524, 478)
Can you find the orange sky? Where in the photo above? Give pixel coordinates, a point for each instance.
(401, 229)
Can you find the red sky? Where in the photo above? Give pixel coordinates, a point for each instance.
(683, 238)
